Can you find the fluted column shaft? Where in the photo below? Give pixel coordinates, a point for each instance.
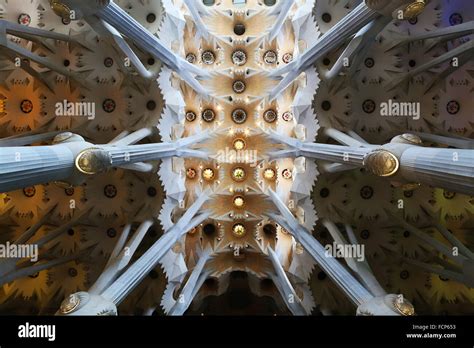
(120, 155)
(194, 283)
(111, 13)
(134, 275)
(284, 286)
(333, 38)
(354, 290)
(335, 153)
(338, 34)
(452, 169)
(347, 26)
(122, 286)
(31, 165)
(128, 26)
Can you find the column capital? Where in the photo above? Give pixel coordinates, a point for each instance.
(76, 9)
(409, 8)
(381, 162)
(84, 303)
(390, 304)
(92, 161)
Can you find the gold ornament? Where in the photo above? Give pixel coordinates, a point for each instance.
(381, 163)
(412, 138)
(269, 174)
(239, 144)
(70, 304)
(238, 174)
(414, 9)
(60, 9)
(60, 138)
(407, 138)
(403, 306)
(92, 161)
(410, 187)
(190, 173)
(208, 174)
(239, 201)
(238, 230)
(63, 184)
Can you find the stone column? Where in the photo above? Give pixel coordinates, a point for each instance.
(366, 302)
(194, 283)
(402, 160)
(148, 42)
(71, 158)
(284, 286)
(30, 165)
(353, 289)
(123, 285)
(103, 300)
(336, 36)
(111, 13)
(452, 169)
